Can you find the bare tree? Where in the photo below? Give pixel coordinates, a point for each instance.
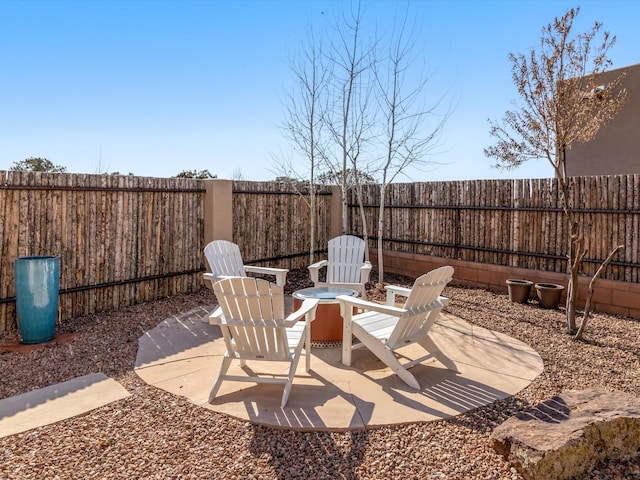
(407, 137)
(304, 125)
(366, 99)
(237, 174)
(351, 116)
(101, 168)
(329, 111)
(563, 102)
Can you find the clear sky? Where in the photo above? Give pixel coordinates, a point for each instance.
(157, 87)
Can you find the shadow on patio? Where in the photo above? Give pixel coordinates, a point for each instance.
(182, 354)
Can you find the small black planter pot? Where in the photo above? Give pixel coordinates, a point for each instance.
(519, 290)
(549, 294)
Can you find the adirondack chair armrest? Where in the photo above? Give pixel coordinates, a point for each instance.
(314, 270)
(365, 271)
(209, 277)
(346, 300)
(308, 306)
(216, 316)
(393, 290)
(215, 278)
(443, 300)
(279, 273)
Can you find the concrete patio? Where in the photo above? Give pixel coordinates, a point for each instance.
(182, 355)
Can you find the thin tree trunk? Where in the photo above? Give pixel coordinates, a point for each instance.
(576, 250)
(344, 208)
(380, 232)
(363, 219)
(577, 253)
(312, 228)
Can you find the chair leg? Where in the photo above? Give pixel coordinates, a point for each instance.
(386, 355)
(224, 367)
(347, 330)
(430, 346)
(390, 360)
(285, 394)
(292, 372)
(307, 342)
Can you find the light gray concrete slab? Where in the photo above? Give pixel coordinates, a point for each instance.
(332, 396)
(51, 404)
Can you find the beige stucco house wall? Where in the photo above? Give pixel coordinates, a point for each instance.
(616, 148)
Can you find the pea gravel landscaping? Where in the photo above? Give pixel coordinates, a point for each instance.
(155, 435)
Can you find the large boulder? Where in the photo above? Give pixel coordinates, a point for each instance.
(568, 435)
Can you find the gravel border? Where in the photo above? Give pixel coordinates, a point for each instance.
(156, 435)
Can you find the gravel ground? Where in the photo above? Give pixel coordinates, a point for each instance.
(155, 435)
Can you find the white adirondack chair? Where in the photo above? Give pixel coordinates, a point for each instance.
(254, 327)
(225, 260)
(383, 329)
(345, 265)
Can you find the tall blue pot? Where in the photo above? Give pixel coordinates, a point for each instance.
(37, 286)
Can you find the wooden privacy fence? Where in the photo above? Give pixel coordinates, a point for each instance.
(124, 240)
(271, 223)
(517, 223)
(121, 239)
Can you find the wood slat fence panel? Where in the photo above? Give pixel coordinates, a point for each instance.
(271, 223)
(124, 239)
(121, 239)
(517, 223)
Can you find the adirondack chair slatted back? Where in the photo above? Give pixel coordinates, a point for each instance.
(224, 259)
(253, 325)
(345, 257)
(421, 314)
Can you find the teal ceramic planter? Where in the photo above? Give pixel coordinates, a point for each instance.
(37, 281)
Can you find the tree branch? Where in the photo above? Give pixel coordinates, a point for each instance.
(587, 306)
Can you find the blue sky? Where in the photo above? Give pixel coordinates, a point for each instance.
(157, 87)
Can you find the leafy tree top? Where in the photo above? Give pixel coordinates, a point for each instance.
(37, 164)
(202, 174)
(354, 176)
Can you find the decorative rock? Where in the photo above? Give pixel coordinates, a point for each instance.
(568, 435)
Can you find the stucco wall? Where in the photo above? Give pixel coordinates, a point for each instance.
(616, 148)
